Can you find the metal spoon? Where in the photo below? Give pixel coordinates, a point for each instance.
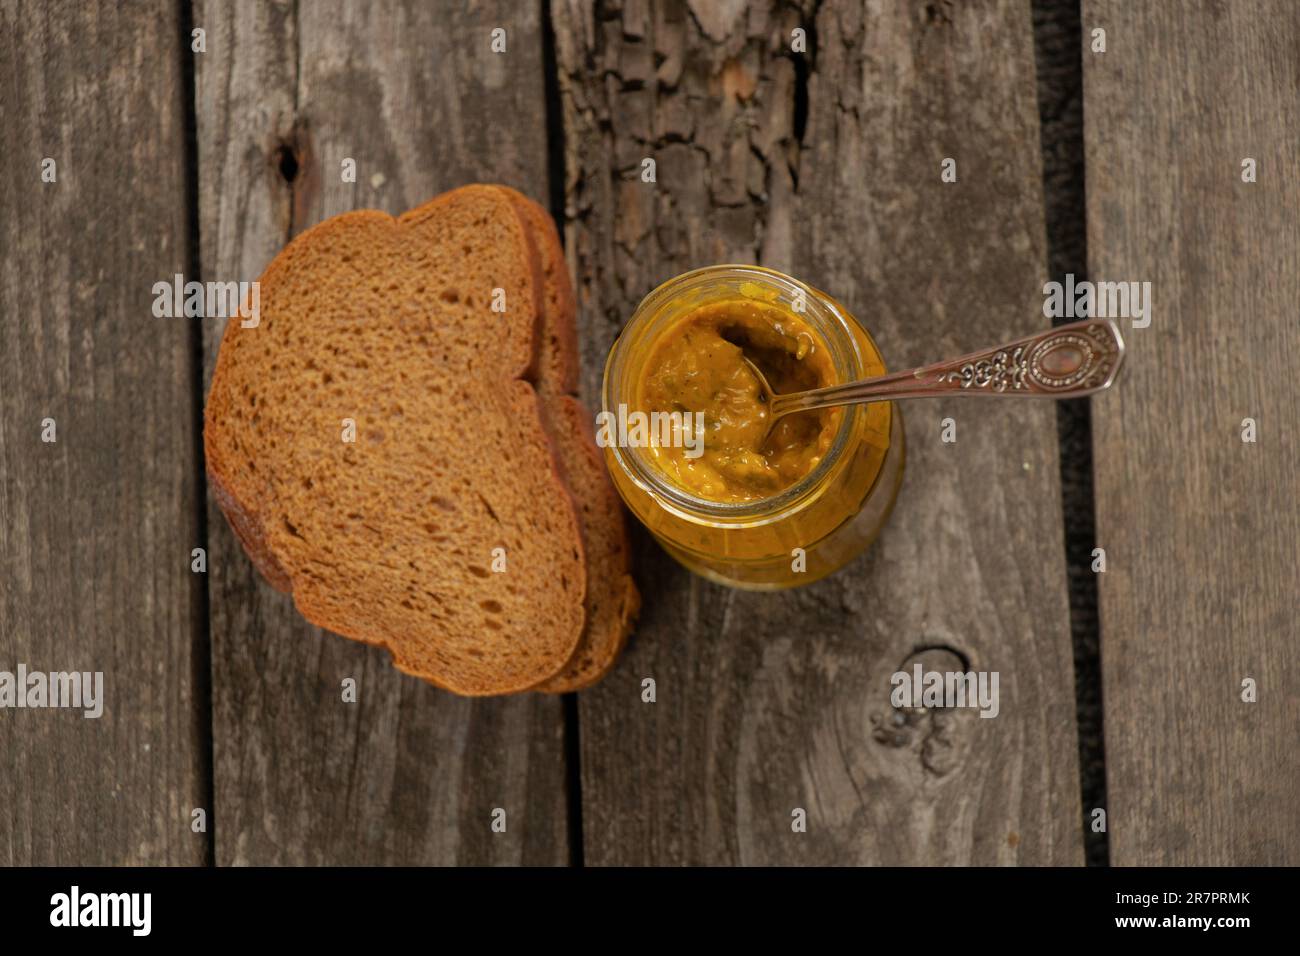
(1065, 362)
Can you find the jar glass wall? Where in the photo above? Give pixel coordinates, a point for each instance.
(804, 531)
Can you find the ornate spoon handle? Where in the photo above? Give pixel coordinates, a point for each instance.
(1065, 362)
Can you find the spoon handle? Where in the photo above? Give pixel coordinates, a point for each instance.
(1065, 362)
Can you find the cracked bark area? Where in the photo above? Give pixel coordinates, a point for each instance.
(707, 90)
(412, 93)
(765, 701)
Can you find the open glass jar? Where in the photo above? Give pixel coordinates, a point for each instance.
(802, 532)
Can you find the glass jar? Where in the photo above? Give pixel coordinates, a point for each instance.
(816, 525)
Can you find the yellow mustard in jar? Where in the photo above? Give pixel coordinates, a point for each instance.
(698, 365)
(744, 504)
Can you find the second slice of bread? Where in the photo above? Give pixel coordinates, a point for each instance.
(612, 599)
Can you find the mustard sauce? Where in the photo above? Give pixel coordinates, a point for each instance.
(696, 365)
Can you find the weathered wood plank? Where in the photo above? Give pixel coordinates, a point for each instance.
(96, 528)
(771, 702)
(414, 95)
(1200, 528)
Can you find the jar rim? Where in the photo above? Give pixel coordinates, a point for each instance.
(826, 318)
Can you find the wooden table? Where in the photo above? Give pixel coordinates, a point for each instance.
(823, 162)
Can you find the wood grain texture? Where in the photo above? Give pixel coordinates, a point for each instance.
(768, 703)
(413, 94)
(1200, 529)
(96, 529)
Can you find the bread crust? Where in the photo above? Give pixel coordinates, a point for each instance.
(248, 529)
(597, 653)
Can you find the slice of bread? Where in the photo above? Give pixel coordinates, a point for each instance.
(612, 600)
(386, 326)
